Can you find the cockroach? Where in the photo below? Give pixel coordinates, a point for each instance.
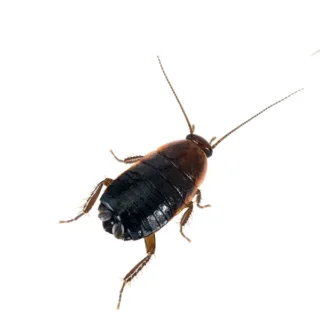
(158, 186)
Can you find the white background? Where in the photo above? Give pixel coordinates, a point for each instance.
(78, 78)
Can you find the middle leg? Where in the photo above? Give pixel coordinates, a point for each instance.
(185, 219)
(127, 160)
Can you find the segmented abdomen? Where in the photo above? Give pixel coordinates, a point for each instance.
(148, 195)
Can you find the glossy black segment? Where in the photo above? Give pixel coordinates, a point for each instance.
(153, 223)
(158, 198)
(171, 176)
(135, 234)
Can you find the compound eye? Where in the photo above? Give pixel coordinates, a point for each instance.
(118, 230)
(105, 215)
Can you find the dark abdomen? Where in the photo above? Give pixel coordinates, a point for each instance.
(151, 192)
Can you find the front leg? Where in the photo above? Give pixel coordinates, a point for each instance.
(188, 213)
(150, 242)
(198, 200)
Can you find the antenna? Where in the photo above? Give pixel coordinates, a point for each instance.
(316, 52)
(256, 115)
(191, 127)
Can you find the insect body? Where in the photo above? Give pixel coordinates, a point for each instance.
(154, 189)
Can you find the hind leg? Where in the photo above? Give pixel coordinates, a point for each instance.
(150, 242)
(91, 200)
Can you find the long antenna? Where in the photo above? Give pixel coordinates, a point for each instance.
(256, 115)
(191, 128)
(313, 54)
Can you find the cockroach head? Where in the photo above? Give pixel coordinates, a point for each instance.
(201, 143)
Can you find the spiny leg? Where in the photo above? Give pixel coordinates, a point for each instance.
(91, 200)
(185, 219)
(198, 200)
(188, 213)
(150, 242)
(127, 160)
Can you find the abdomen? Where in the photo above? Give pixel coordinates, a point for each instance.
(151, 192)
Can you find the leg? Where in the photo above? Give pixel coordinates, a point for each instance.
(185, 219)
(198, 200)
(127, 160)
(150, 242)
(187, 214)
(91, 200)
